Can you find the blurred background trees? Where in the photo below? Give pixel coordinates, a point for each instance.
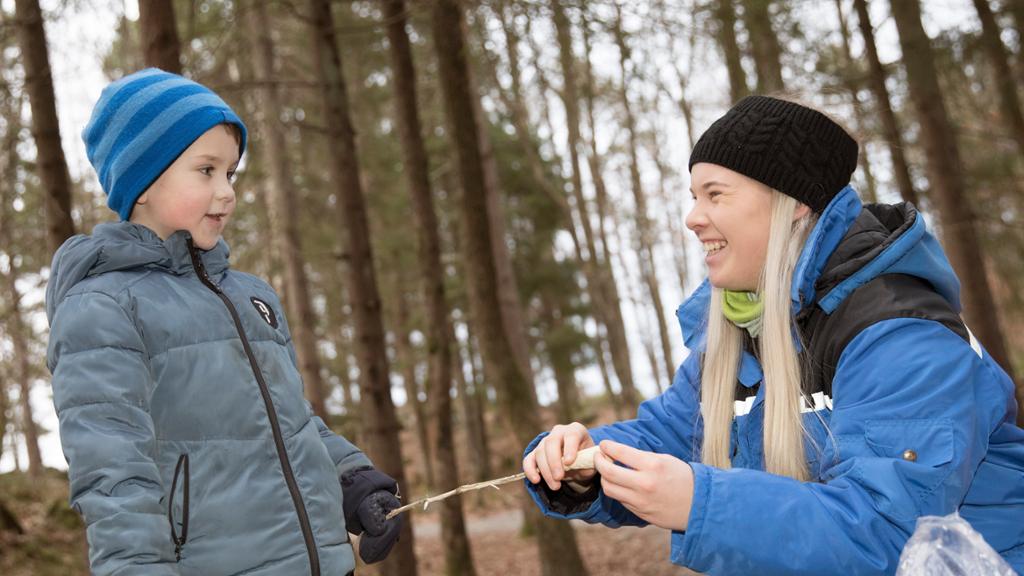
(474, 210)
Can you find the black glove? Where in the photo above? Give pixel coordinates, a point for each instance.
(369, 495)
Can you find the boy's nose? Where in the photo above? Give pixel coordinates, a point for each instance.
(226, 192)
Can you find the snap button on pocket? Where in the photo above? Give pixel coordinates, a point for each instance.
(910, 456)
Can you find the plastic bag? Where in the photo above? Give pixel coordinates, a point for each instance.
(948, 546)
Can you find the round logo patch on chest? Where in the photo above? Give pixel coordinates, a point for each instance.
(265, 311)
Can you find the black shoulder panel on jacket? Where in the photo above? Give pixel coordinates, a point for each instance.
(886, 297)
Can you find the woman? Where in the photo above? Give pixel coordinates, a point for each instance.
(833, 395)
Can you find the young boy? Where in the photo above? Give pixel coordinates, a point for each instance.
(190, 448)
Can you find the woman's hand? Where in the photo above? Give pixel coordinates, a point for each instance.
(556, 451)
(656, 487)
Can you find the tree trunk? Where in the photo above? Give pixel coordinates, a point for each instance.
(16, 327)
(605, 307)
(764, 45)
(458, 557)
(648, 270)
(525, 135)
(853, 87)
(945, 173)
(472, 415)
(1016, 10)
(406, 358)
(675, 223)
(159, 33)
(594, 158)
(725, 33)
(558, 550)
(475, 402)
(891, 129)
(599, 347)
(129, 53)
(570, 100)
(605, 292)
(640, 308)
(269, 256)
(19, 339)
(990, 36)
(284, 199)
(379, 419)
(339, 321)
(4, 408)
(51, 166)
(508, 286)
(560, 357)
(9, 160)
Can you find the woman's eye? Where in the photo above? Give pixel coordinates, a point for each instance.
(713, 194)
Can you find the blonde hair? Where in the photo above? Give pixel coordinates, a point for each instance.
(783, 426)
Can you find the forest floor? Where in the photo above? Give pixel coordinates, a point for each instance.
(53, 540)
(498, 547)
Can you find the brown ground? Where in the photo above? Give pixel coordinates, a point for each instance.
(53, 542)
(498, 548)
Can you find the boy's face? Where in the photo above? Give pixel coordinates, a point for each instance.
(195, 192)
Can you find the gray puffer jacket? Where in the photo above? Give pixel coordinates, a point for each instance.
(190, 447)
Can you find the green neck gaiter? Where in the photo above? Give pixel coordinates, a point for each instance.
(744, 310)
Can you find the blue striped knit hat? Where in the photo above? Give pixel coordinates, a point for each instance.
(140, 126)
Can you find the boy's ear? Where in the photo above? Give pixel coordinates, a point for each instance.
(142, 199)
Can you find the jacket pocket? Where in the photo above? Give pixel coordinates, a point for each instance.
(922, 448)
(181, 470)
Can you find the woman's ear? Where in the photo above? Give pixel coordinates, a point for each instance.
(802, 210)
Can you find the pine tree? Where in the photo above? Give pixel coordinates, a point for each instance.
(52, 168)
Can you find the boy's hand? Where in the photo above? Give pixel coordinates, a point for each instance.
(379, 534)
(556, 451)
(656, 487)
(368, 495)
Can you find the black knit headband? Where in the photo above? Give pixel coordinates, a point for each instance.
(791, 148)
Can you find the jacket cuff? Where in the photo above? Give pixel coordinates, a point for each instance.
(569, 502)
(686, 545)
(565, 503)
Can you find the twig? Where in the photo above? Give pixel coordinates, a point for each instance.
(584, 461)
(425, 502)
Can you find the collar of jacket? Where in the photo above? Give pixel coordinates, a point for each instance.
(124, 246)
(830, 229)
(147, 249)
(215, 260)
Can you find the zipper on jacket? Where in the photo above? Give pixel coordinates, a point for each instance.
(275, 426)
(179, 541)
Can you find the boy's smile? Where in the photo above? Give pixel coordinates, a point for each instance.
(195, 192)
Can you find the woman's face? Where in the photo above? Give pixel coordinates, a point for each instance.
(730, 215)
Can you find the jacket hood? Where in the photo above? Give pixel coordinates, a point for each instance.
(123, 246)
(850, 245)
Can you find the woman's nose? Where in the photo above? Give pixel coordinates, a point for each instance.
(695, 218)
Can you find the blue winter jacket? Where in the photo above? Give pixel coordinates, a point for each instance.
(900, 384)
(190, 447)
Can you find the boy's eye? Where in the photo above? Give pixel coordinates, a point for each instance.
(206, 170)
(231, 176)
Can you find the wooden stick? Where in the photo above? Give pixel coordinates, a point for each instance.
(584, 461)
